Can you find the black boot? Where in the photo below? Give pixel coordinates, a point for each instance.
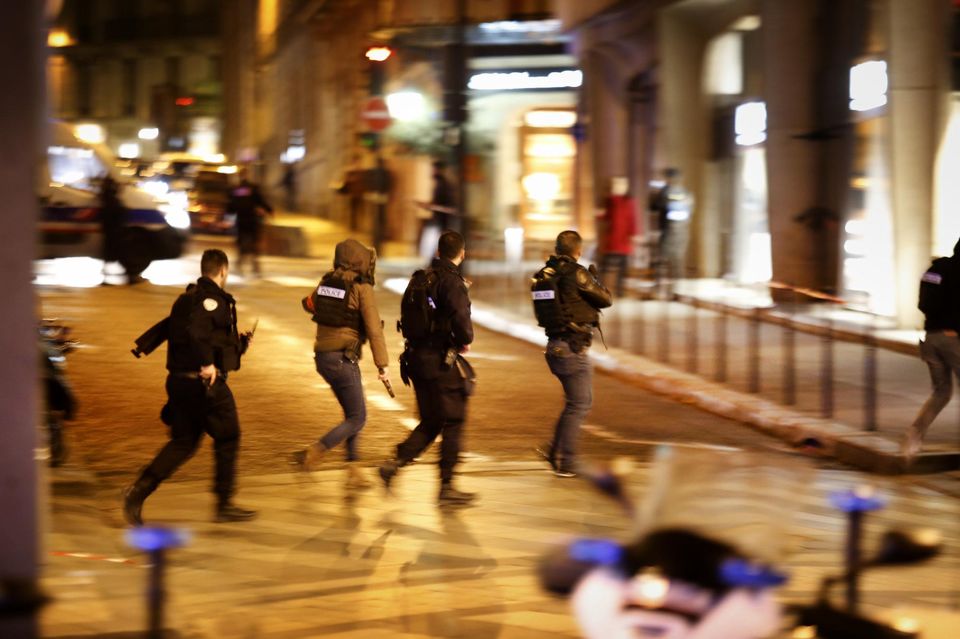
(388, 471)
(227, 511)
(134, 495)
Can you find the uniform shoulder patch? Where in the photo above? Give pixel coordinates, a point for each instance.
(210, 304)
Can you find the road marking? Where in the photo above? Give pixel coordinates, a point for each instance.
(384, 402)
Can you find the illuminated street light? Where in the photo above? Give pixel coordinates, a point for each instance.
(89, 133)
(378, 54)
(58, 38)
(406, 106)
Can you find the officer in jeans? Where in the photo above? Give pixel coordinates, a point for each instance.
(566, 300)
(203, 347)
(346, 314)
(940, 347)
(441, 376)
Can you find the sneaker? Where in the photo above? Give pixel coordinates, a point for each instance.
(388, 471)
(450, 496)
(308, 458)
(546, 452)
(564, 471)
(229, 512)
(910, 446)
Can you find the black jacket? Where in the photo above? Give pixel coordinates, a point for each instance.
(245, 199)
(203, 330)
(949, 317)
(585, 296)
(453, 313)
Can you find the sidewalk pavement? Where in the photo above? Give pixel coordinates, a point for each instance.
(672, 348)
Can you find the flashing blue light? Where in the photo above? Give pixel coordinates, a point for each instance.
(857, 500)
(151, 539)
(745, 574)
(602, 552)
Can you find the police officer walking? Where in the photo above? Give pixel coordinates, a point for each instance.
(566, 302)
(248, 204)
(204, 346)
(346, 314)
(435, 321)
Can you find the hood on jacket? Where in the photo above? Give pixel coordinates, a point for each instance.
(351, 255)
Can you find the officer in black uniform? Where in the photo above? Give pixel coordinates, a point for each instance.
(204, 347)
(442, 378)
(566, 301)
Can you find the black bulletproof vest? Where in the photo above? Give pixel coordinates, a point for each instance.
(556, 301)
(330, 301)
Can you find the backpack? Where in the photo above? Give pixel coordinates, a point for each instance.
(934, 294)
(418, 308)
(548, 306)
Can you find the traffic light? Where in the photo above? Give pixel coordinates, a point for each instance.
(378, 56)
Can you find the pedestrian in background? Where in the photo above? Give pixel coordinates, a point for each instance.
(345, 311)
(203, 347)
(940, 347)
(250, 207)
(112, 222)
(566, 301)
(440, 210)
(619, 224)
(673, 206)
(436, 324)
(289, 184)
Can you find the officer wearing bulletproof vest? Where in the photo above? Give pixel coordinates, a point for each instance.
(345, 312)
(203, 347)
(442, 378)
(566, 301)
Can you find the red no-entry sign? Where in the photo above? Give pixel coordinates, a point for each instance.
(375, 114)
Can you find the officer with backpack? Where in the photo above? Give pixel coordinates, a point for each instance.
(940, 347)
(345, 312)
(435, 322)
(567, 299)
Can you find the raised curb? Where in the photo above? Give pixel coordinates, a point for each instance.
(865, 450)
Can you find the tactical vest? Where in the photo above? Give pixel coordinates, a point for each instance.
(557, 304)
(330, 303)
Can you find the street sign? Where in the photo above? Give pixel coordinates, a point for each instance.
(375, 114)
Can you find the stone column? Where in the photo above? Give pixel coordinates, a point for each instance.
(789, 70)
(918, 94)
(22, 118)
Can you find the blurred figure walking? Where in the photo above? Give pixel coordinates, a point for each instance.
(250, 207)
(619, 224)
(940, 347)
(673, 206)
(345, 311)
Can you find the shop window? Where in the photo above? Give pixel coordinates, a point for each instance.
(548, 151)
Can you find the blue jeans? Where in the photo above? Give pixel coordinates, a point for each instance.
(344, 379)
(941, 352)
(575, 373)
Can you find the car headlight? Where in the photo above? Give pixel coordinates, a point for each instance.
(175, 216)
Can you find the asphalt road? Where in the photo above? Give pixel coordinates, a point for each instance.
(284, 404)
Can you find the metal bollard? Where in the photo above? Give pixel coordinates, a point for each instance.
(156, 541)
(641, 328)
(721, 337)
(789, 362)
(692, 337)
(826, 372)
(870, 380)
(753, 352)
(663, 343)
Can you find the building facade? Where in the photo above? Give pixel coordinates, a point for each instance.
(815, 135)
(297, 80)
(146, 72)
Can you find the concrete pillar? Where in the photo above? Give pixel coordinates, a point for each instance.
(789, 68)
(684, 118)
(917, 96)
(21, 123)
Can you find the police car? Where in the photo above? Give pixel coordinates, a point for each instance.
(69, 184)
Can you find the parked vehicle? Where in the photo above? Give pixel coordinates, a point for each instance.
(70, 179)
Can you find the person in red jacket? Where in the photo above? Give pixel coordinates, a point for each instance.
(619, 225)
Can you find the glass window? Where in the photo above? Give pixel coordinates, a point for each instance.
(76, 167)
